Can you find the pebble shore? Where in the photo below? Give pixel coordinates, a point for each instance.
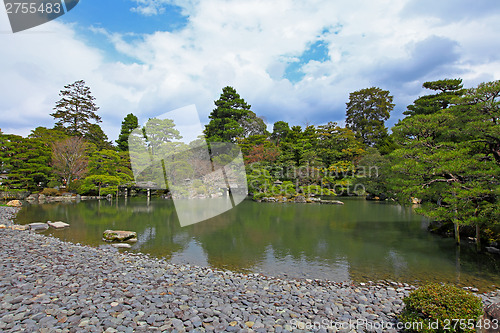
(47, 285)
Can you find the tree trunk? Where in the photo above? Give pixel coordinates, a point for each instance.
(478, 238)
(457, 233)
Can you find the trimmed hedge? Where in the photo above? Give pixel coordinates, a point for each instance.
(441, 308)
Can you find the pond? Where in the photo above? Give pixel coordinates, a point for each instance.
(358, 241)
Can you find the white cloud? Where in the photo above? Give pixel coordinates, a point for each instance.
(247, 44)
(148, 7)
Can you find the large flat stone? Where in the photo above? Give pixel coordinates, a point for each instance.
(331, 202)
(58, 225)
(38, 226)
(119, 235)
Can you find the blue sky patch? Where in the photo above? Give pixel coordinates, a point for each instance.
(318, 51)
(118, 16)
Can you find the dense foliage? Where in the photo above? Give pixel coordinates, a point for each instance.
(441, 308)
(444, 154)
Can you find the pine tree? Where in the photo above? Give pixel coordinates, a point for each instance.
(76, 109)
(129, 123)
(225, 124)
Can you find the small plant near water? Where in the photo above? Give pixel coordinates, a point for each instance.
(51, 192)
(441, 308)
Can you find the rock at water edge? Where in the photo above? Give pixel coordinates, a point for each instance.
(331, 202)
(300, 199)
(491, 315)
(119, 235)
(14, 203)
(38, 226)
(58, 225)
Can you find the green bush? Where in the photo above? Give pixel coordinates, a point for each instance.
(441, 308)
(258, 196)
(51, 192)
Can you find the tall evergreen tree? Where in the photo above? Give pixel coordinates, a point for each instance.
(225, 124)
(96, 136)
(448, 90)
(280, 131)
(76, 109)
(367, 110)
(129, 123)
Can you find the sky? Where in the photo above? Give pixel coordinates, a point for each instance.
(291, 60)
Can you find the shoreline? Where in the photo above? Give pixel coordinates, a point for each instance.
(50, 285)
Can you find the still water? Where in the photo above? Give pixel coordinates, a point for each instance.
(359, 241)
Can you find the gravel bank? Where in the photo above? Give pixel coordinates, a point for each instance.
(47, 285)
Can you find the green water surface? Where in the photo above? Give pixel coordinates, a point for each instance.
(359, 241)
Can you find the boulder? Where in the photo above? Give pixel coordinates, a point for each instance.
(121, 245)
(58, 224)
(491, 315)
(14, 203)
(32, 198)
(300, 199)
(38, 226)
(119, 235)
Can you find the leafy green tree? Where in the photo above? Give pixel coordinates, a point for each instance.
(129, 123)
(76, 109)
(257, 148)
(159, 133)
(95, 135)
(48, 135)
(291, 151)
(25, 162)
(374, 174)
(448, 89)
(100, 184)
(337, 143)
(478, 112)
(107, 169)
(253, 125)
(449, 164)
(367, 110)
(280, 131)
(226, 118)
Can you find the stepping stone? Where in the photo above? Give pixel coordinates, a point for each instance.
(38, 226)
(119, 235)
(58, 225)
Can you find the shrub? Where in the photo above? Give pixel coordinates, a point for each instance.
(441, 308)
(258, 196)
(51, 192)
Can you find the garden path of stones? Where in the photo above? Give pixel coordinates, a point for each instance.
(47, 285)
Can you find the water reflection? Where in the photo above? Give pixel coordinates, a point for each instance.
(359, 241)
